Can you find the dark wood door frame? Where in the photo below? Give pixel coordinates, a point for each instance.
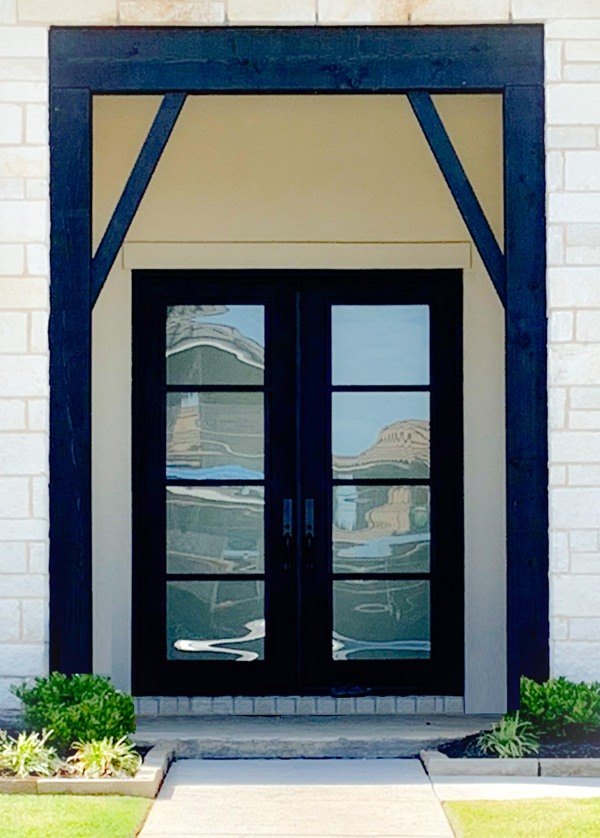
(416, 61)
(298, 456)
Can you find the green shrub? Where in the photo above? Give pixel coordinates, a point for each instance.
(557, 704)
(510, 737)
(27, 755)
(76, 708)
(105, 758)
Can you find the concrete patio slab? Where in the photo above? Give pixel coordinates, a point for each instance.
(349, 798)
(290, 737)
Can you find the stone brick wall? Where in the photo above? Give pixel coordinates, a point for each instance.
(573, 139)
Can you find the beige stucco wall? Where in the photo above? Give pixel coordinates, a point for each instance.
(298, 182)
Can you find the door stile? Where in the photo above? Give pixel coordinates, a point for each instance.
(314, 447)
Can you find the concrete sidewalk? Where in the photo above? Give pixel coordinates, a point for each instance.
(284, 798)
(515, 788)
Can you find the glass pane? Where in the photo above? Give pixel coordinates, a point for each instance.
(380, 619)
(216, 436)
(380, 435)
(215, 621)
(380, 344)
(215, 529)
(379, 529)
(215, 344)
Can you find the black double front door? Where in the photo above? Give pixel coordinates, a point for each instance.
(297, 482)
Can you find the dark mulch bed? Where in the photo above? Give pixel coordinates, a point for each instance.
(576, 744)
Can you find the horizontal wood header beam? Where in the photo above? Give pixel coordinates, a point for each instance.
(364, 59)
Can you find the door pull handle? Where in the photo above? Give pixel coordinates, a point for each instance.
(309, 532)
(288, 532)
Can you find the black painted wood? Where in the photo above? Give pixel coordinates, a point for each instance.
(135, 188)
(526, 389)
(70, 384)
(460, 187)
(297, 59)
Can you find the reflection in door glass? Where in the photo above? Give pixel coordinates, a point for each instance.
(379, 529)
(215, 620)
(380, 435)
(215, 344)
(215, 529)
(382, 344)
(217, 436)
(380, 619)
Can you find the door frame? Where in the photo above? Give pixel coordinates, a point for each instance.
(504, 59)
(289, 474)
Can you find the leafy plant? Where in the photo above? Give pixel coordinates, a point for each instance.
(510, 737)
(28, 754)
(105, 758)
(558, 703)
(79, 708)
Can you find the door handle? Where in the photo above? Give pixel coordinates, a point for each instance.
(288, 532)
(309, 532)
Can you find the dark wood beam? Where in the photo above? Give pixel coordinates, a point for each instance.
(461, 189)
(527, 594)
(135, 188)
(70, 382)
(296, 59)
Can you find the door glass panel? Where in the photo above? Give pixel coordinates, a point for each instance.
(380, 435)
(381, 344)
(380, 619)
(379, 529)
(217, 436)
(215, 529)
(215, 620)
(215, 344)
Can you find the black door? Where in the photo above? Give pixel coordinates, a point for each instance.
(297, 463)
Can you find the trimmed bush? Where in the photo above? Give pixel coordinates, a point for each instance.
(76, 708)
(557, 704)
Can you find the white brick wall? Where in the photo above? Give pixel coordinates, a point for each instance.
(573, 139)
(573, 133)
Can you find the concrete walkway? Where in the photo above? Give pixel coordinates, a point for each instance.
(284, 798)
(346, 798)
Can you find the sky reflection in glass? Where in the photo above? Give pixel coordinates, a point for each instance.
(381, 344)
(358, 418)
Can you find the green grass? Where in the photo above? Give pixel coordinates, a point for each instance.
(520, 818)
(70, 816)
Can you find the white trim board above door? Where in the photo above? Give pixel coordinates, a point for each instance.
(347, 255)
